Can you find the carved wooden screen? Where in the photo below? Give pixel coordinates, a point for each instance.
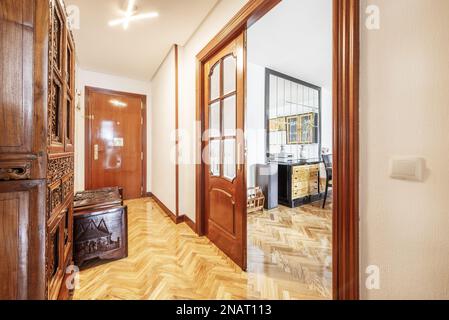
(60, 137)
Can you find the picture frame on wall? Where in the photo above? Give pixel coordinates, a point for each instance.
(308, 128)
(293, 130)
(278, 124)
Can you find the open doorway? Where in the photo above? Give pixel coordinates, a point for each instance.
(288, 132)
(343, 199)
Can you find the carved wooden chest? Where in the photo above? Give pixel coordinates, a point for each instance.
(100, 226)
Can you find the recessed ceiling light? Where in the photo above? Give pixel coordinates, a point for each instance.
(130, 15)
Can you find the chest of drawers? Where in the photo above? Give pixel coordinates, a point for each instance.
(299, 184)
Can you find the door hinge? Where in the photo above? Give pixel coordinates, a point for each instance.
(141, 120)
(141, 156)
(92, 117)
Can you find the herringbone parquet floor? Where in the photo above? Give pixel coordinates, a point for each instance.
(168, 261)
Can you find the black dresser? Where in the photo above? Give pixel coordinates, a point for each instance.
(299, 182)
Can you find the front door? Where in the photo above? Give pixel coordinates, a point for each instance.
(114, 150)
(225, 198)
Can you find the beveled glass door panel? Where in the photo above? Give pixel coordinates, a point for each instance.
(215, 118)
(229, 159)
(229, 116)
(215, 156)
(215, 82)
(229, 74)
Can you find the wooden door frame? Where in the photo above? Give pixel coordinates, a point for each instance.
(346, 53)
(88, 130)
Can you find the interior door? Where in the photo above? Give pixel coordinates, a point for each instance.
(225, 185)
(115, 142)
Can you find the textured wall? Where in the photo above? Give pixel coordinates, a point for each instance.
(405, 111)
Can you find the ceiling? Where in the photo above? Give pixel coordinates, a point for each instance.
(137, 52)
(295, 38)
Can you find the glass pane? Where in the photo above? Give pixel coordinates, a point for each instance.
(214, 119)
(292, 128)
(229, 161)
(229, 116)
(215, 82)
(230, 74)
(214, 147)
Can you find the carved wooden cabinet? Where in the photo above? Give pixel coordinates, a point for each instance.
(36, 149)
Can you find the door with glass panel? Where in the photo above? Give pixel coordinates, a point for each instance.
(225, 198)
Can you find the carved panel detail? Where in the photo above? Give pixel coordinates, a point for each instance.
(53, 255)
(57, 32)
(55, 111)
(67, 187)
(15, 171)
(55, 198)
(59, 167)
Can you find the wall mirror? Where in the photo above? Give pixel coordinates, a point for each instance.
(293, 115)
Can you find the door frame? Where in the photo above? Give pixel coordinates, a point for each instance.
(346, 65)
(88, 130)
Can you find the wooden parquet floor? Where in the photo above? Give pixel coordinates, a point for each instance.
(168, 261)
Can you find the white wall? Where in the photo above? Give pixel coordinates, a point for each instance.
(99, 80)
(216, 20)
(163, 132)
(405, 111)
(255, 121)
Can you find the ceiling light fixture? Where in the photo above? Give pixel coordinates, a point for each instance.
(130, 15)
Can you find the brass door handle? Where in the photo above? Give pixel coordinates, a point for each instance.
(239, 157)
(96, 151)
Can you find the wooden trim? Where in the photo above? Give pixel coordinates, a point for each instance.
(168, 212)
(346, 149)
(199, 177)
(144, 146)
(87, 150)
(346, 134)
(190, 223)
(246, 17)
(177, 126)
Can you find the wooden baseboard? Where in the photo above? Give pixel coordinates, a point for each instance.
(171, 215)
(176, 219)
(189, 222)
(149, 195)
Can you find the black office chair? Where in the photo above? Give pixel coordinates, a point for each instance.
(327, 160)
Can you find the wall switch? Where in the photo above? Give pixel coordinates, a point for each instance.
(407, 168)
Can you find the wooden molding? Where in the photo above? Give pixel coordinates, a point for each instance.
(247, 16)
(177, 125)
(190, 223)
(169, 213)
(346, 150)
(185, 219)
(176, 219)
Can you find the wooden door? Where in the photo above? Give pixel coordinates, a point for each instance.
(114, 142)
(225, 198)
